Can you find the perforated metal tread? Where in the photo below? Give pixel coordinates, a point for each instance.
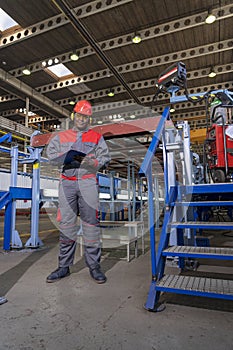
(203, 203)
(201, 224)
(209, 188)
(200, 252)
(199, 286)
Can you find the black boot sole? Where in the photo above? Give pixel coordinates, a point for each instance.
(99, 282)
(57, 279)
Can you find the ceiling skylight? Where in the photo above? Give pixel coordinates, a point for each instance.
(6, 21)
(59, 70)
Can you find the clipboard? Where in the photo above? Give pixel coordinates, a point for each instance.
(71, 154)
(67, 158)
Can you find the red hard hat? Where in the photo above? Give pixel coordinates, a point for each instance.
(83, 107)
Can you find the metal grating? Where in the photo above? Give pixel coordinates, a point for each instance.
(203, 252)
(196, 285)
(200, 224)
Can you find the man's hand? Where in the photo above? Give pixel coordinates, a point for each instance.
(89, 162)
(78, 158)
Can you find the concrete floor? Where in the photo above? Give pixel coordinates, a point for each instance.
(76, 313)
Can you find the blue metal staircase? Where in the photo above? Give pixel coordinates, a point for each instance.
(185, 284)
(199, 286)
(180, 202)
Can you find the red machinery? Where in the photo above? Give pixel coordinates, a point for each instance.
(219, 145)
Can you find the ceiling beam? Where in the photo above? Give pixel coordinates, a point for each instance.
(145, 84)
(195, 74)
(143, 64)
(57, 21)
(107, 112)
(81, 29)
(12, 126)
(123, 40)
(20, 89)
(114, 107)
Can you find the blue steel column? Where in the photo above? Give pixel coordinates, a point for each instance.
(7, 226)
(112, 194)
(34, 241)
(146, 169)
(129, 190)
(15, 239)
(151, 221)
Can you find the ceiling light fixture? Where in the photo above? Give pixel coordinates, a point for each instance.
(211, 18)
(172, 109)
(212, 73)
(111, 93)
(72, 103)
(136, 38)
(26, 71)
(74, 56)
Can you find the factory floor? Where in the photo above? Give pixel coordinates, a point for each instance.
(76, 313)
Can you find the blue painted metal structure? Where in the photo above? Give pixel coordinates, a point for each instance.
(184, 196)
(8, 198)
(6, 138)
(146, 170)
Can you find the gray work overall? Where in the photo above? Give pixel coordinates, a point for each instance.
(79, 196)
(78, 193)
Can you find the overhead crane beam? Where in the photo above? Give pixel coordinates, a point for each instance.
(113, 130)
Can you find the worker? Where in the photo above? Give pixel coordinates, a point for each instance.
(81, 152)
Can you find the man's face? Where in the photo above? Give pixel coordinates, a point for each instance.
(81, 121)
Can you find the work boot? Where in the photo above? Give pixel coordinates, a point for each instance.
(98, 275)
(59, 273)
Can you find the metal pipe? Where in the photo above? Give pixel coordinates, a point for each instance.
(64, 8)
(14, 136)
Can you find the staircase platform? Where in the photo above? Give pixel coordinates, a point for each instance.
(200, 252)
(204, 225)
(198, 286)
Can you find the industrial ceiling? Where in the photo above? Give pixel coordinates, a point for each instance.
(101, 32)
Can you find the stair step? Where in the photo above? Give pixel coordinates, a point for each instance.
(199, 286)
(203, 203)
(200, 252)
(204, 225)
(208, 188)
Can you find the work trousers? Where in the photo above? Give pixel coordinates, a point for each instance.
(79, 197)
